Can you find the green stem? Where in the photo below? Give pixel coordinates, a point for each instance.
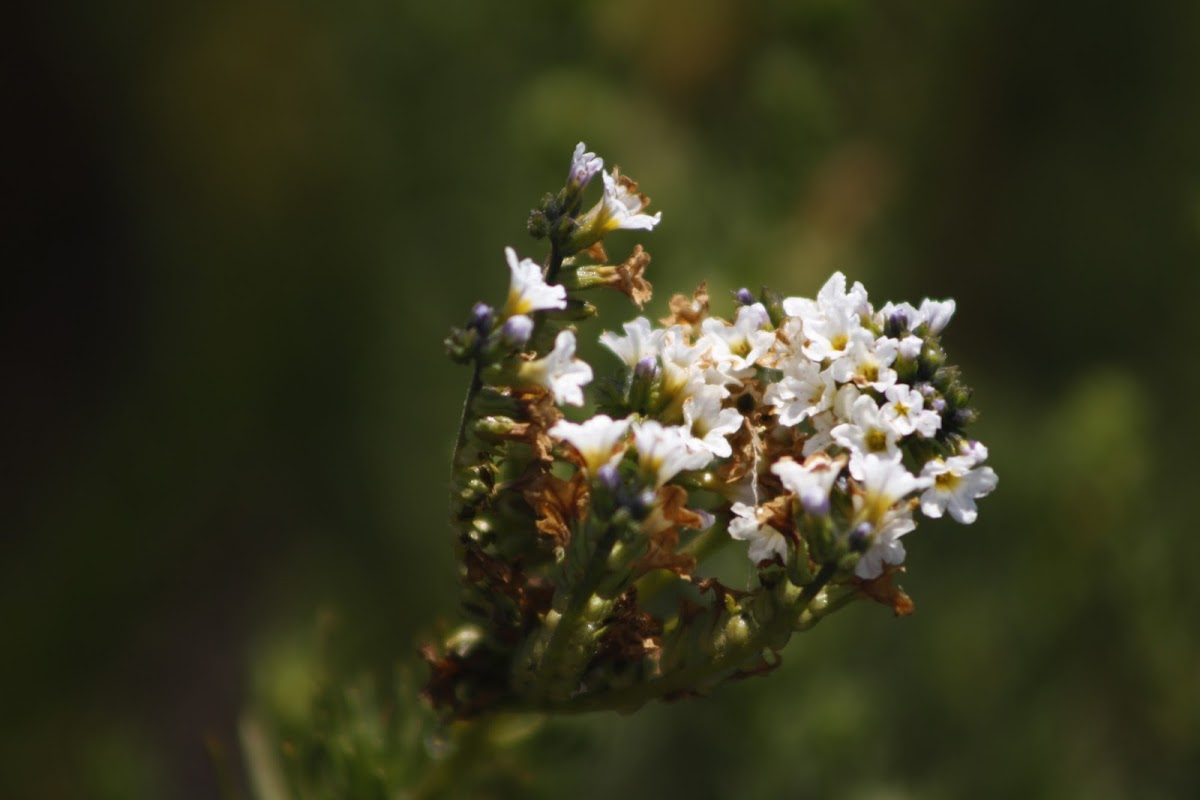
(559, 667)
(464, 421)
(555, 263)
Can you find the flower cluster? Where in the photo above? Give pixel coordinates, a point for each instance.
(814, 430)
(833, 401)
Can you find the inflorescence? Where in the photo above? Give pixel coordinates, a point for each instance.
(811, 429)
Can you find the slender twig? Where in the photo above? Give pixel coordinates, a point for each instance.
(464, 421)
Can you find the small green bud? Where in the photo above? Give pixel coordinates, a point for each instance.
(773, 302)
(538, 226)
(737, 631)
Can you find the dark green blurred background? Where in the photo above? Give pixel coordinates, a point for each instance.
(238, 231)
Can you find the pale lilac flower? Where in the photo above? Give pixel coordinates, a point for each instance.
(600, 440)
(765, 541)
(666, 450)
(584, 166)
(527, 291)
(560, 372)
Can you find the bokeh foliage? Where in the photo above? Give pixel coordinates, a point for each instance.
(242, 229)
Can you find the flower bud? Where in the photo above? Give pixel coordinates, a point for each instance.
(516, 331)
(584, 167)
(538, 225)
(608, 477)
(962, 417)
(745, 297)
(483, 317)
(860, 538)
(646, 369)
(641, 385)
(816, 503)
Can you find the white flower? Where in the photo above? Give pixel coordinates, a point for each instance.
(883, 482)
(910, 347)
(619, 209)
(975, 449)
(684, 364)
(824, 423)
(866, 362)
(803, 391)
(737, 347)
(600, 440)
(832, 319)
(638, 342)
(765, 541)
(885, 547)
(906, 414)
(936, 313)
(956, 483)
(811, 481)
(666, 450)
(560, 372)
(709, 422)
(527, 291)
(584, 166)
(868, 431)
